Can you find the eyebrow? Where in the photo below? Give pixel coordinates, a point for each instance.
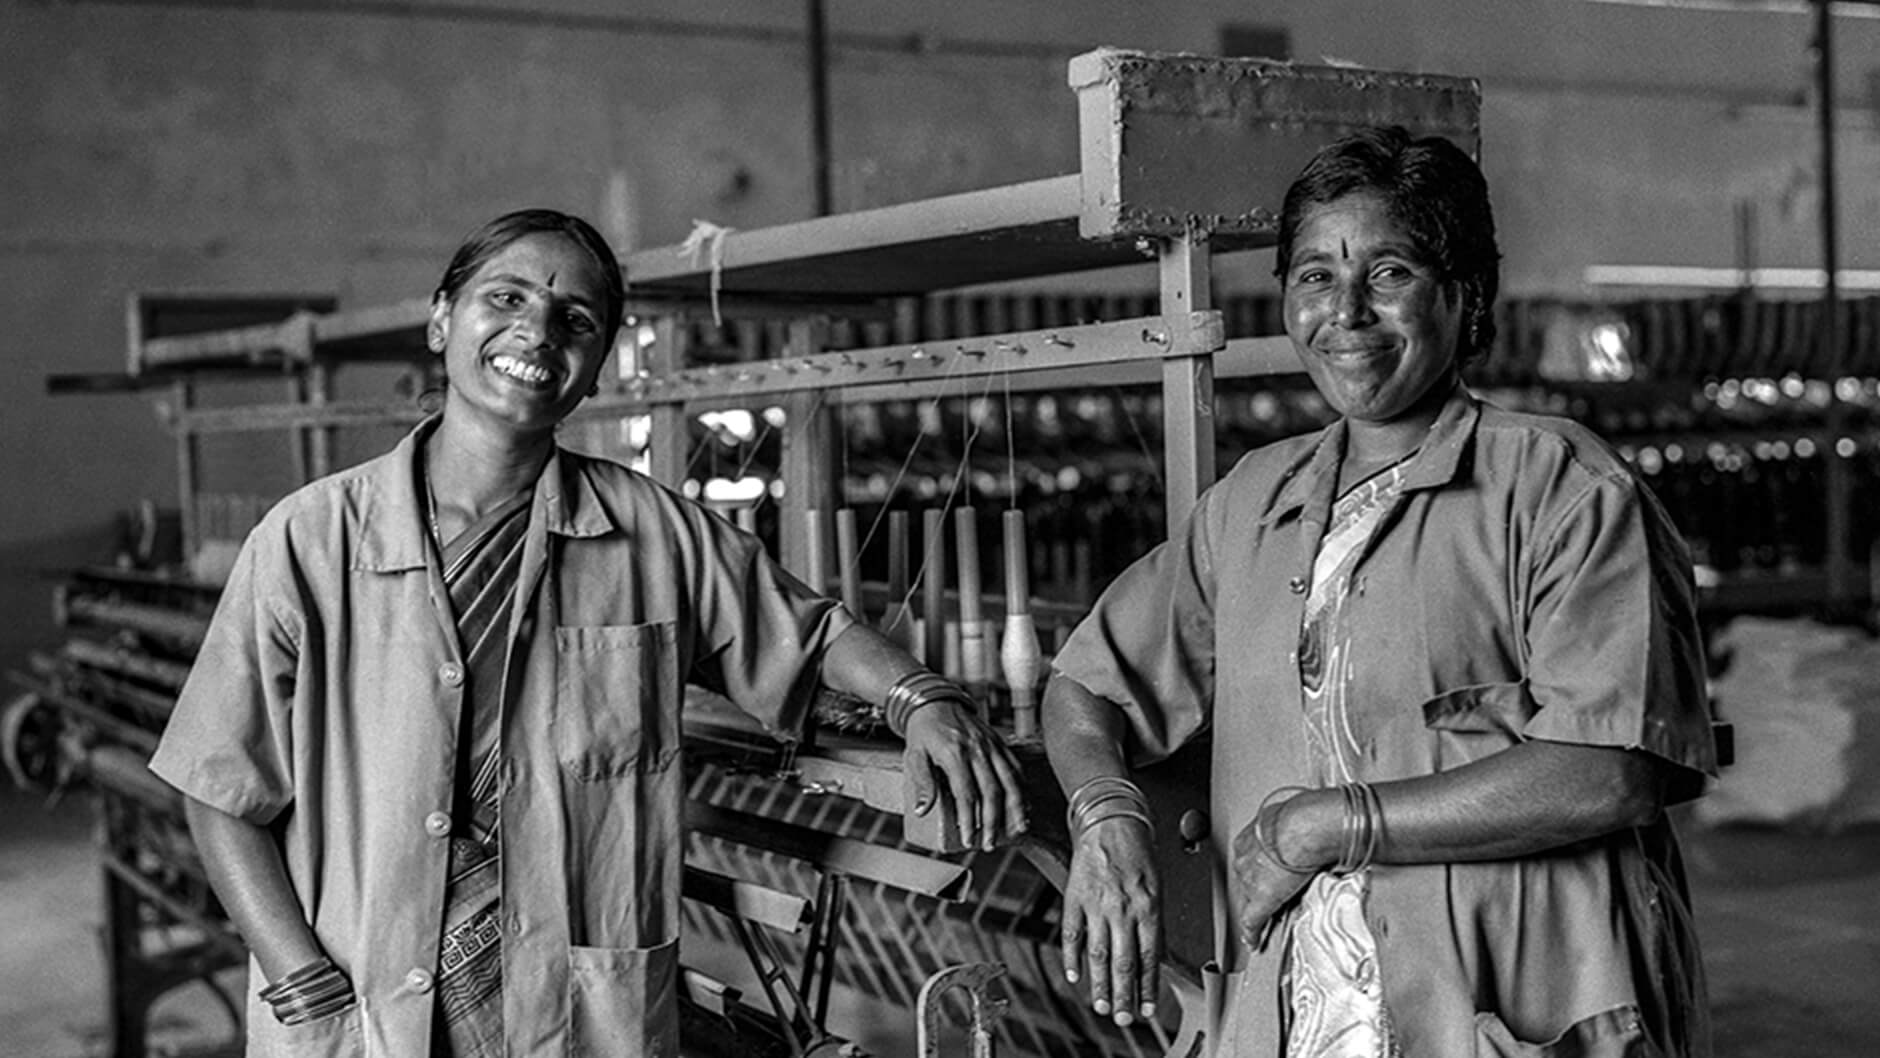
(521, 281)
(1389, 249)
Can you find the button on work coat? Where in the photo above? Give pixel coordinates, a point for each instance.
(326, 703)
(1524, 585)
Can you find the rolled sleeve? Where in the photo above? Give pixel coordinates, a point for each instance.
(227, 744)
(1148, 644)
(1615, 655)
(764, 631)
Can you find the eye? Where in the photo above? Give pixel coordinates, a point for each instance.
(504, 297)
(1393, 273)
(1311, 276)
(579, 322)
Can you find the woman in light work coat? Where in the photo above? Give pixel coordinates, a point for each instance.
(1449, 657)
(431, 742)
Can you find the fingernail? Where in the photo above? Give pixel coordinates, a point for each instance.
(1148, 1010)
(1101, 1006)
(1071, 976)
(1123, 1019)
(920, 807)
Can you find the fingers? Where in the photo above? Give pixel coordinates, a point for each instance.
(958, 770)
(1097, 965)
(1149, 944)
(1112, 930)
(917, 767)
(1007, 772)
(990, 801)
(1072, 943)
(1125, 968)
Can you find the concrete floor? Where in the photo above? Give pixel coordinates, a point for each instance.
(1791, 928)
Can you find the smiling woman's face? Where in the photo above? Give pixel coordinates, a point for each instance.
(1371, 321)
(523, 339)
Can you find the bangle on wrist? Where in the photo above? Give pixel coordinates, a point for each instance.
(309, 993)
(1107, 797)
(1360, 830)
(916, 691)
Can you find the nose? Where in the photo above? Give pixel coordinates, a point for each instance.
(536, 325)
(1351, 304)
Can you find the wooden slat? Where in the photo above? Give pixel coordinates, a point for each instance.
(746, 900)
(997, 234)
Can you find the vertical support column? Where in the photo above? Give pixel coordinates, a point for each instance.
(809, 464)
(669, 440)
(182, 396)
(1187, 381)
(320, 438)
(127, 999)
(300, 440)
(1840, 483)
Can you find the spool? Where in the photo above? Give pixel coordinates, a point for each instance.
(848, 561)
(933, 589)
(1019, 653)
(972, 612)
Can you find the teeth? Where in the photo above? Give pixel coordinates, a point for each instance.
(521, 370)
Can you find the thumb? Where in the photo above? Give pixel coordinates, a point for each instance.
(917, 769)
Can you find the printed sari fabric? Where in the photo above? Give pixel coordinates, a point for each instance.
(481, 569)
(1334, 994)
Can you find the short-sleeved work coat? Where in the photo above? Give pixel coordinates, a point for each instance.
(326, 702)
(1524, 585)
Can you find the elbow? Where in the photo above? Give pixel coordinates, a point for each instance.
(1635, 792)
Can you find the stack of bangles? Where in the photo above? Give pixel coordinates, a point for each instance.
(1361, 830)
(1363, 822)
(309, 993)
(917, 690)
(1107, 797)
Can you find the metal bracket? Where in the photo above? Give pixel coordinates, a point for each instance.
(987, 1009)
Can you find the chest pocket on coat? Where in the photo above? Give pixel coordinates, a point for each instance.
(617, 699)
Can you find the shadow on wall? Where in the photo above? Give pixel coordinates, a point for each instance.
(28, 572)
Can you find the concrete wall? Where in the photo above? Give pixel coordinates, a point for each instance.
(343, 147)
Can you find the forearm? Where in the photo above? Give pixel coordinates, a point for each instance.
(1524, 800)
(863, 663)
(1084, 734)
(249, 877)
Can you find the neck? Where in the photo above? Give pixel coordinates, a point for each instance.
(1371, 446)
(472, 470)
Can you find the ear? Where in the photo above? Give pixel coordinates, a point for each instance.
(437, 331)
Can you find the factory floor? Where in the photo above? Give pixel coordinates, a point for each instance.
(1790, 922)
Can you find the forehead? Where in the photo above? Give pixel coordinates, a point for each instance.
(549, 260)
(1349, 223)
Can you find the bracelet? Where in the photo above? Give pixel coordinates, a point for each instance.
(1106, 797)
(1362, 823)
(309, 993)
(1121, 810)
(917, 690)
(1269, 843)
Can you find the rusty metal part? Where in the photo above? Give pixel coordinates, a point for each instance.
(184, 630)
(29, 746)
(987, 1009)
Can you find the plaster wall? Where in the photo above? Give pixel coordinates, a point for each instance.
(343, 147)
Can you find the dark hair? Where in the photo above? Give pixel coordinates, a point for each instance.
(491, 239)
(1431, 187)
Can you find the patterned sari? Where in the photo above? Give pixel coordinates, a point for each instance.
(481, 569)
(1334, 994)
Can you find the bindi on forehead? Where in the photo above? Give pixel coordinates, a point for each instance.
(1344, 249)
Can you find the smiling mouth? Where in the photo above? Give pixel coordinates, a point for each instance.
(1352, 352)
(529, 374)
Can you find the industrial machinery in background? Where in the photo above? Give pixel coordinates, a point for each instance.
(831, 386)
